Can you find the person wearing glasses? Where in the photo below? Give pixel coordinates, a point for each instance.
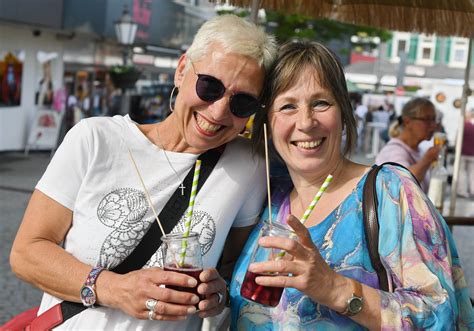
(417, 123)
(328, 279)
(89, 210)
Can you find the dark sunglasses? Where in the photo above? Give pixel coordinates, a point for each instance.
(210, 89)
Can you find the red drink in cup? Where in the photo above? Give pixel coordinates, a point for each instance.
(265, 295)
(190, 271)
(183, 258)
(250, 290)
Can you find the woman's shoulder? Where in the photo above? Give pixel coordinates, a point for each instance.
(240, 151)
(392, 177)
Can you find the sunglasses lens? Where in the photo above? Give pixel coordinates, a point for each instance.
(243, 105)
(209, 88)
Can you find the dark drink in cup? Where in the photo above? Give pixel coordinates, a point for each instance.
(265, 295)
(190, 271)
(183, 254)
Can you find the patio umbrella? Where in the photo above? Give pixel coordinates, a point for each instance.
(441, 17)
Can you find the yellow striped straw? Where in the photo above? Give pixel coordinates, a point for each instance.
(310, 208)
(189, 213)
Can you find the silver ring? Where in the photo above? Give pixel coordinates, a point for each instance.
(150, 315)
(150, 304)
(221, 297)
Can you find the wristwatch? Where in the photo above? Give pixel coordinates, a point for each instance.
(355, 303)
(87, 293)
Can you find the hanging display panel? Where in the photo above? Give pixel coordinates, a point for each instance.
(11, 71)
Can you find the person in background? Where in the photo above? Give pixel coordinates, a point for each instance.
(332, 284)
(417, 123)
(361, 111)
(89, 210)
(466, 173)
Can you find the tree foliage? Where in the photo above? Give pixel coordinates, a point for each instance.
(295, 26)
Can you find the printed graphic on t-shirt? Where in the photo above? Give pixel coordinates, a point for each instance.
(123, 210)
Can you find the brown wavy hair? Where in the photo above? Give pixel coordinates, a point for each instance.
(292, 59)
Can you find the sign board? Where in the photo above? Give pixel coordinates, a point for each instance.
(45, 130)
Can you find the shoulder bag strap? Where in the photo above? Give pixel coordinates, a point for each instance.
(371, 222)
(151, 241)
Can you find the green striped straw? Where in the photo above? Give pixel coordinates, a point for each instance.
(310, 208)
(316, 198)
(189, 214)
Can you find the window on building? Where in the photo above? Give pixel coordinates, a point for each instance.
(402, 45)
(426, 55)
(426, 49)
(458, 54)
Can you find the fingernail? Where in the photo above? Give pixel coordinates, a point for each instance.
(195, 299)
(191, 310)
(192, 282)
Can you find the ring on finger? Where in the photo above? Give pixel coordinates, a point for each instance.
(150, 315)
(150, 304)
(221, 297)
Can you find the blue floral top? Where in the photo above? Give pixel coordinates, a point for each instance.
(415, 246)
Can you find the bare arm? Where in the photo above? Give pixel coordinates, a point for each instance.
(38, 258)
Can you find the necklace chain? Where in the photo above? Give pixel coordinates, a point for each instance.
(160, 141)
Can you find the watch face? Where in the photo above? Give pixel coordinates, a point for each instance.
(355, 305)
(87, 296)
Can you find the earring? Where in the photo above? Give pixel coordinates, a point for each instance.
(171, 97)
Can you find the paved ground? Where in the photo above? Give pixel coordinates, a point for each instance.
(18, 176)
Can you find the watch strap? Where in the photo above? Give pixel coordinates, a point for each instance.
(93, 274)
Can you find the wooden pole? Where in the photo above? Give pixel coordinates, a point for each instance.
(254, 12)
(466, 92)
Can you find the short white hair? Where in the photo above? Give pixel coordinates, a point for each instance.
(235, 35)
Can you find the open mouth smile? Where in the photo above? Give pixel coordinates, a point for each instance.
(206, 127)
(308, 144)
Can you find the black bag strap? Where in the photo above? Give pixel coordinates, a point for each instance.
(151, 241)
(371, 222)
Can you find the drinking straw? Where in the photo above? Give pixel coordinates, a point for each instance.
(316, 198)
(310, 208)
(189, 214)
(147, 194)
(267, 168)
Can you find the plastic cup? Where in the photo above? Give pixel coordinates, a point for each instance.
(250, 290)
(440, 139)
(172, 258)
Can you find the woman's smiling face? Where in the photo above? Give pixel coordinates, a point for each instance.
(306, 126)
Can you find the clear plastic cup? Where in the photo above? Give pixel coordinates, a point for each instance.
(173, 260)
(250, 290)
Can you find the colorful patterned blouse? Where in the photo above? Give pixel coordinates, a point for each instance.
(416, 248)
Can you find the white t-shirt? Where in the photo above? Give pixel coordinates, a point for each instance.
(93, 175)
(361, 112)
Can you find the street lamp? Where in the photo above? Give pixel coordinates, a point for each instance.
(125, 29)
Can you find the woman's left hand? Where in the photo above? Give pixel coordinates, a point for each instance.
(310, 274)
(213, 288)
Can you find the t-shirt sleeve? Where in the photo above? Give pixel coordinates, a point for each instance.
(63, 176)
(419, 254)
(394, 153)
(252, 206)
